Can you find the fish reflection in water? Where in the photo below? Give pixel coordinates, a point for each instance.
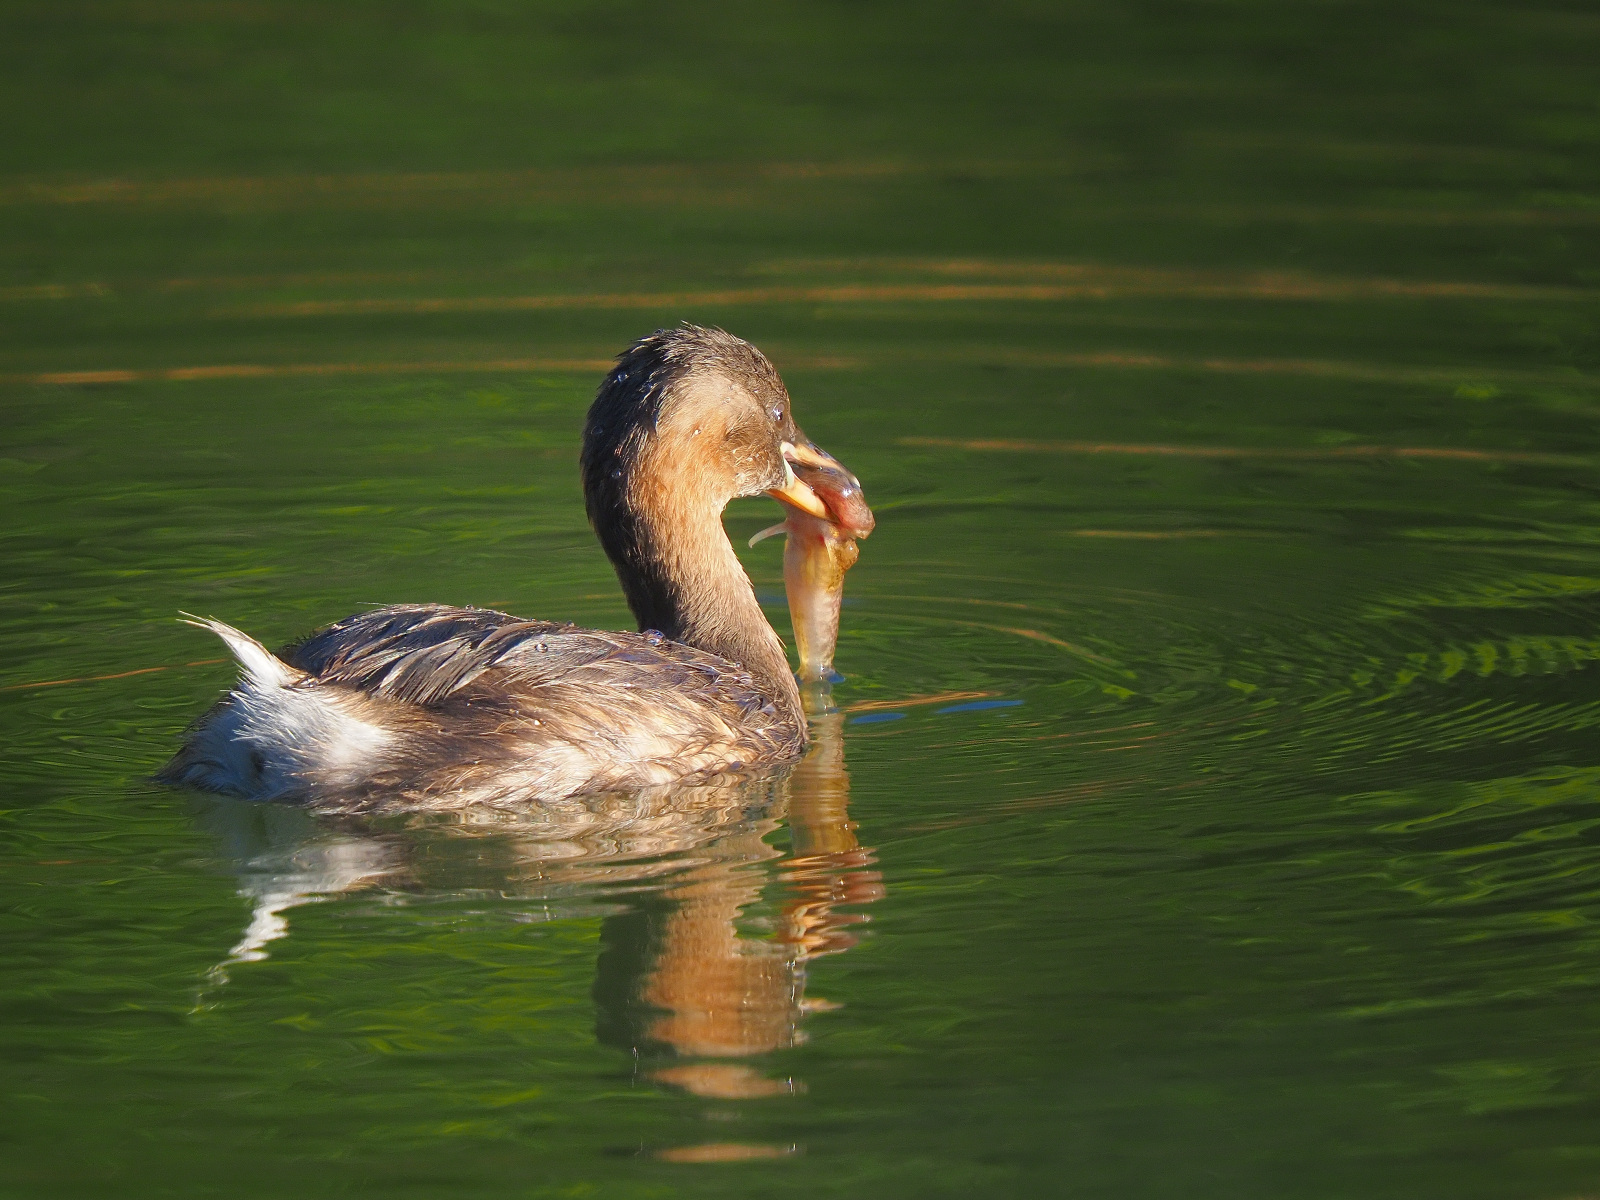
(677, 983)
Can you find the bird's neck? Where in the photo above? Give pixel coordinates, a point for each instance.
(682, 577)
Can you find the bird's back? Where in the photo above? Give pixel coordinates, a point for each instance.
(443, 706)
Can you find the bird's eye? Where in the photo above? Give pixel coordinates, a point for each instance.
(777, 415)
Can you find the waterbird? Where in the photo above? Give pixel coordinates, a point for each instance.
(440, 706)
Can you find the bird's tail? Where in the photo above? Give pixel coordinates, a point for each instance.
(262, 667)
(278, 733)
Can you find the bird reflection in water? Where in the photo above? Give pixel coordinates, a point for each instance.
(681, 983)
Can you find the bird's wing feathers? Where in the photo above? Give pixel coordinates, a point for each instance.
(429, 654)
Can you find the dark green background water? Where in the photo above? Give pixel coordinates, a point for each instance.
(1281, 879)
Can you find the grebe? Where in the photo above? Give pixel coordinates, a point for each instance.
(439, 706)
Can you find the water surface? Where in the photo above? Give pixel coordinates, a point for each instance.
(1211, 806)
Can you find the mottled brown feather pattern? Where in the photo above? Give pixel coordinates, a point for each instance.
(494, 707)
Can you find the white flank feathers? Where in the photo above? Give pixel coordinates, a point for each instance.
(279, 731)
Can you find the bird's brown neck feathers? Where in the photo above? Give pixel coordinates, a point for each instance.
(700, 595)
(663, 533)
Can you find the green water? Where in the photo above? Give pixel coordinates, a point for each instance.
(1273, 871)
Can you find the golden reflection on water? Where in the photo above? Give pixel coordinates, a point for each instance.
(681, 983)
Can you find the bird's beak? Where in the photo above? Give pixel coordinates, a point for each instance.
(795, 491)
(831, 483)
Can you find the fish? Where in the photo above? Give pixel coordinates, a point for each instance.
(819, 552)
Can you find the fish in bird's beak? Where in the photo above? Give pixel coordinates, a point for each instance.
(827, 479)
(827, 513)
